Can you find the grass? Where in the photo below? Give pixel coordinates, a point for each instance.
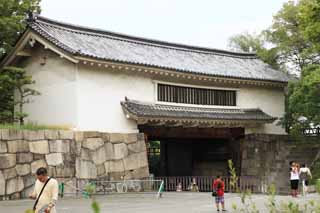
(33, 126)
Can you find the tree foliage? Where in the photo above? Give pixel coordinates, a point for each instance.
(12, 23)
(286, 35)
(6, 97)
(15, 89)
(246, 42)
(12, 20)
(305, 98)
(309, 16)
(292, 43)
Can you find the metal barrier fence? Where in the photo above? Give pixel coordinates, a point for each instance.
(204, 183)
(105, 186)
(153, 185)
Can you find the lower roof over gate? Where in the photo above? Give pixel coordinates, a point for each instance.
(154, 114)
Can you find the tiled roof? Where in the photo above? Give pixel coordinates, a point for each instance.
(150, 110)
(105, 45)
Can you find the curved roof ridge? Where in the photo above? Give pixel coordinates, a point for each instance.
(141, 40)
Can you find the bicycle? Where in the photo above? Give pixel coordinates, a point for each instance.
(131, 185)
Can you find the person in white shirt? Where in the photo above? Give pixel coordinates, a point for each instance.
(47, 201)
(305, 174)
(294, 179)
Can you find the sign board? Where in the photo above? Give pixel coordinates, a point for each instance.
(311, 131)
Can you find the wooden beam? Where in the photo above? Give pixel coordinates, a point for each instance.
(23, 53)
(172, 123)
(156, 123)
(158, 132)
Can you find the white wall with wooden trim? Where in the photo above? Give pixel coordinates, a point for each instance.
(100, 92)
(87, 96)
(56, 81)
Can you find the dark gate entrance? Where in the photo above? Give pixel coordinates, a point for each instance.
(195, 151)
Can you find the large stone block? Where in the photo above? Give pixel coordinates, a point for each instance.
(59, 146)
(137, 147)
(137, 173)
(72, 147)
(26, 192)
(18, 146)
(54, 159)
(109, 151)
(29, 180)
(23, 169)
(66, 134)
(101, 171)
(85, 154)
(135, 161)
(3, 147)
(120, 151)
(105, 136)
(91, 134)
(37, 164)
(92, 143)
(99, 156)
(115, 166)
(51, 134)
(140, 136)
(52, 171)
(24, 157)
(32, 135)
(66, 171)
(76, 147)
(15, 185)
(11, 134)
(15, 196)
(107, 167)
(78, 136)
(2, 184)
(116, 138)
(39, 147)
(130, 138)
(7, 160)
(9, 173)
(116, 176)
(39, 156)
(85, 169)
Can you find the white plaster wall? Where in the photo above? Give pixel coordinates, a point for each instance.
(269, 100)
(56, 81)
(88, 97)
(100, 92)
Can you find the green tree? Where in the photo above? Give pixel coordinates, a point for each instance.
(295, 40)
(309, 16)
(6, 98)
(12, 20)
(13, 15)
(246, 42)
(305, 98)
(16, 87)
(286, 35)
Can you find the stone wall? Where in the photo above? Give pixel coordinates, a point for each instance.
(268, 156)
(67, 155)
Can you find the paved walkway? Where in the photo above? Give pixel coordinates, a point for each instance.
(148, 203)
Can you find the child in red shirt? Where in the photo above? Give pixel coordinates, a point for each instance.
(218, 186)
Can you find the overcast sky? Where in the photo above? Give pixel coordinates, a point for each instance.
(208, 23)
